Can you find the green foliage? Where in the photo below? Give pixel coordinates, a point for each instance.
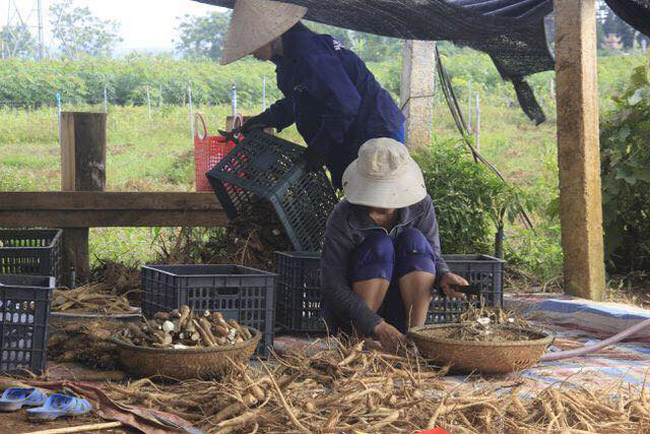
(470, 200)
(625, 142)
(78, 32)
(202, 37)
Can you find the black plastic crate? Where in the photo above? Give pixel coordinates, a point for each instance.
(34, 252)
(24, 314)
(482, 270)
(244, 294)
(299, 292)
(265, 166)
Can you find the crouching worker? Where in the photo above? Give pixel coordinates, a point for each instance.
(381, 258)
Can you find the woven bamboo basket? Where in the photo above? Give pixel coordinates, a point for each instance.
(183, 364)
(480, 357)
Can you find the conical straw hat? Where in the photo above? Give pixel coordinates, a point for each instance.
(255, 23)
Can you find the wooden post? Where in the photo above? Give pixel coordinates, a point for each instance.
(416, 93)
(578, 148)
(83, 168)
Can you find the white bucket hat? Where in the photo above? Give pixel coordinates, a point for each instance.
(255, 23)
(384, 176)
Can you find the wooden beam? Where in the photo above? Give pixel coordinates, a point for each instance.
(99, 209)
(83, 168)
(416, 92)
(578, 148)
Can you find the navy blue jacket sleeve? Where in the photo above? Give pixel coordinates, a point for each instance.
(428, 225)
(281, 113)
(325, 80)
(336, 289)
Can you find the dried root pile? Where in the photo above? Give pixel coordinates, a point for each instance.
(85, 342)
(488, 324)
(183, 328)
(93, 298)
(334, 388)
(122, 279)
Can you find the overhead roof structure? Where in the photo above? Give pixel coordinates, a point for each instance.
(512, 32)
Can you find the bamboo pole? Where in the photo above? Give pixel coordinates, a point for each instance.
(79, 428)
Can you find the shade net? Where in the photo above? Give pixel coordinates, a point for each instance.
(512, 32)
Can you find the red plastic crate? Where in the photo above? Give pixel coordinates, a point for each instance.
(208, 151)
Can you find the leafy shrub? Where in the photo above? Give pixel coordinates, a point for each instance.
(625, 168)
(471, 202)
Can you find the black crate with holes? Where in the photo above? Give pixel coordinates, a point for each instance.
(24, 313)
(299, 290)
(34, 252)
(298, 295)
(244, 294)
(268, 167)
(482, 270)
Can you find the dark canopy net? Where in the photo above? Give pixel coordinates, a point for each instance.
(512, 32)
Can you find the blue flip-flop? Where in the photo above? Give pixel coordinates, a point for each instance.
(15, 398)
(58, 405)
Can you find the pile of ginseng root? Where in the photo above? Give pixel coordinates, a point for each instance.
(93, 298)
(335, 387)
(87, 342)
(184, 328)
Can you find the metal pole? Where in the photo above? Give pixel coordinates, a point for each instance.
(189, 94)
(233, 98)
(58, 115)
(469, 106)
(41, 40)
(105, 99)
(477, 127)
(264, 93)
(149, 101)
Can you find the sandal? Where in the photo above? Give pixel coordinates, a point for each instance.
(15, 398)
(60, 405)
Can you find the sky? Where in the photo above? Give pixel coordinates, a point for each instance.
(144, 24)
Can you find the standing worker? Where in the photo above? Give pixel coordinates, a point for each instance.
(329, 93)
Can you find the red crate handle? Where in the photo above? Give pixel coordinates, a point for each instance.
(198, 117)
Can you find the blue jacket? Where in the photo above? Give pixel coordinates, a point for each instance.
(334, 100)
(347, 227)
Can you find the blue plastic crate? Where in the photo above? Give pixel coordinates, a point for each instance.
(267, 167)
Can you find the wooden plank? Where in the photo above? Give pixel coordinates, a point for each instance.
(578, 148)
(83, 168)
(416, 93)
(56, 200)
(99, 209)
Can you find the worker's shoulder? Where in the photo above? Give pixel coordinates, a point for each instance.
(308, 44)
(340, 213)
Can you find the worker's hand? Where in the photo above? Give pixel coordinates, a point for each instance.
(391, 339)
(315, 160)
(259, 122)
(450, 279)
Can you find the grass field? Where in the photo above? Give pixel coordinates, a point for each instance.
(157, 154)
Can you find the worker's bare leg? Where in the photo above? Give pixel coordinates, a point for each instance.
(372, 292)
(415, 288)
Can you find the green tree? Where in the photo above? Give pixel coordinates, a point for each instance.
(203, 36)
(17, 42)
(625, 169)
(78, 32)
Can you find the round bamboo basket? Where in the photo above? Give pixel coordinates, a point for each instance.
(183, 364)
(480, 357)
